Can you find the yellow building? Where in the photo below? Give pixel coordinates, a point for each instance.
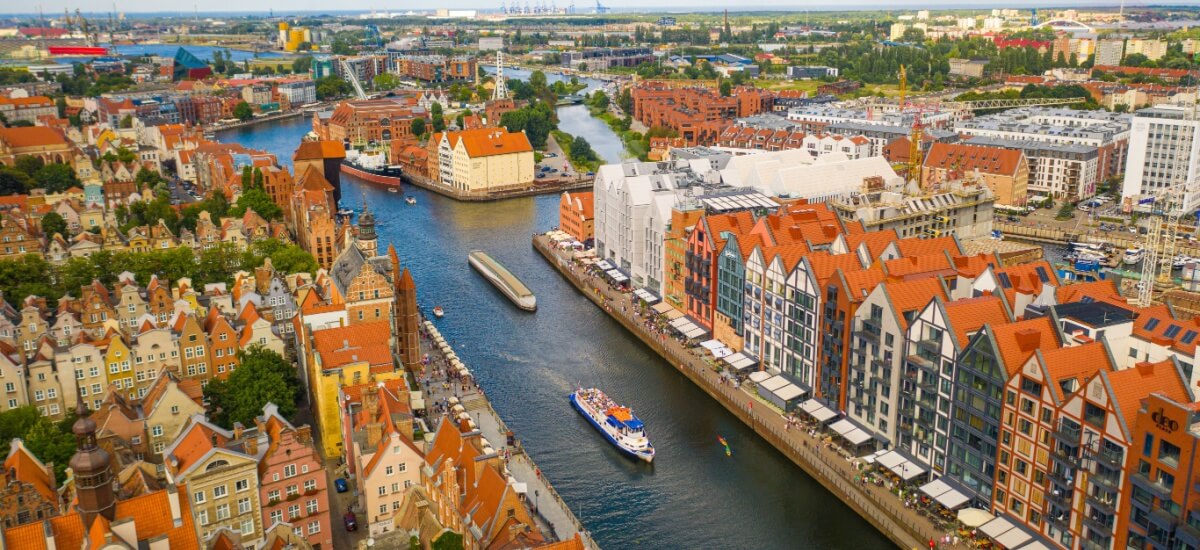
(483, 160)
(344, 356)
(120, 367)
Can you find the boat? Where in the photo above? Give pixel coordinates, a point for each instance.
(1092, 247)
(438, 312)
(501, 278)
(618, 424)
(393, 190)
(345, 212)
(728, 451)
(410, 200)
(1133, 255)
(372, 167)
(1179, 261)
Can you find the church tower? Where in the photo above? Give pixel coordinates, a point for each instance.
(408, 321)
(91, 465)
(368, 241)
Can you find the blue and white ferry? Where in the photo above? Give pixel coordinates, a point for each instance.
(617, 423)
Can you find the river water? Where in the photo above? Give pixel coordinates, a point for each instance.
(693, 496)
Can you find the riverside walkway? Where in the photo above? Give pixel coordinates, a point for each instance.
(906, 527)
(554, 517)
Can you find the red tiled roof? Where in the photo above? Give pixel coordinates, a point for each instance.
(967, 316)
(359, 342)
(914, 295)
(1077, 363)
(1131, 386)
(1017, 341)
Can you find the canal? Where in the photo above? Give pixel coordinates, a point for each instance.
(693, 496)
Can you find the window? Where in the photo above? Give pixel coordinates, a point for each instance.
(276, 516)
(202, 517)
(389, 470)
(293, 511)
(241, 485)
(311, 507)
(222, 512)
(310, 485)
(314, 527)
(403, 467)
(273, 494)
(198, 497)
(243, 506)
(293, 490)
(289, 470)
(247, 527)
(382, 490)
(382, 508)
(220, 491)
(1168, 453)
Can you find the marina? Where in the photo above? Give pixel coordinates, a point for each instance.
(503, 279)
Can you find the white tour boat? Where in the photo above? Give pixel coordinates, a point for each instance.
(618, 424)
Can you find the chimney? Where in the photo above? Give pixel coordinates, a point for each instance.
(374, 434)
(371, 400)
(1145, 368)
(1028, 339)
(48, 532)
(238, 429)
(251, 446)
(176, 510)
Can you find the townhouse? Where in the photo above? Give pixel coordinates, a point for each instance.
(378, 423)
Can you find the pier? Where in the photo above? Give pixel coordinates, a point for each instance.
(552, 513)
(903, 526)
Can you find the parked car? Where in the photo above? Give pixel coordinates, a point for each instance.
(350, 521)
(340, 485)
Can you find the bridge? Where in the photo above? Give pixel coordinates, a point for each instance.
(1069, 25)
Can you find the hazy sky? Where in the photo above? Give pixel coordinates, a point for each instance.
(287, 6)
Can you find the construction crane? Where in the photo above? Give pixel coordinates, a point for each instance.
(1162, 231)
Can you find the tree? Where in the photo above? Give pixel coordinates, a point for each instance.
(302, 64)
(449, 540)
(61, 105)
(332, 87)
(126, 122)
(1137, 60)
(56, 177)
(14, 181)
(439, 119)
(242, 111)
(262, 377)
(53, 223)
(726, 88)
(418, 127)
(341, 47)
(29, 164)
(52, 442)
(581, 151)
(256, 199)
(386, 81)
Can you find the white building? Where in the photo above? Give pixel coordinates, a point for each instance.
(961, 209)
(1061, 171)
(1110, 52)
(298, 92)
(1155, 163)
(796, 174)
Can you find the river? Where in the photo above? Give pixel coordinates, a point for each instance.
(693, 496)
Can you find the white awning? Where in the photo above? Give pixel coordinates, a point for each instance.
(722, 352)
(1013, 538)
(617, 276)
(890, 460)
(935, 488)
(842, 427)
(661, 307)
(1035, 545)
(870, 459)
(773, 383)
(604, 265)
(995, 528)
(758, 377)
(908, 471)
(695, 332)
(790, 392)
(711, 344)
(646, 295)
(857, 437)
(816, 410)
(952, 499)
(740, 362)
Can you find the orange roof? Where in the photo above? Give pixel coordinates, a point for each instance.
(973, 266)
(1131, 386)
(359, 342)
(321, 149)
(197, 440)
(910, 267)
(860, 283)
(967, 316)
(912, 296)
(486, 142)
(876, 241)
(1017, 341)
(150, 514)
(1077, 363)
(1156, 324)
(825, 264)
(31, 136)
(969, 158)
(913, 246)
(1104, 290)
(29, 469)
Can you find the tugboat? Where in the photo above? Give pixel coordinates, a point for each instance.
(371, 166)
(618, 424)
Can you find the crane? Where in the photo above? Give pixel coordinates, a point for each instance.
(1168, 207)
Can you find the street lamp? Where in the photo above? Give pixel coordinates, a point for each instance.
(535, 500)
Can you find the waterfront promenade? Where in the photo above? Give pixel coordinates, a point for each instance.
(539, 187)
(887, 512)
(553, 515)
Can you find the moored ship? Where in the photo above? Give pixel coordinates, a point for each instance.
(372, 167)
(503, 279)
(618, 424)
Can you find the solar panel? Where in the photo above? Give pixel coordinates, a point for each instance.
(1041, 273)
(1188, 337)
(1172, 331)
(1004, 281)
(1151, 324)
(1086, 300)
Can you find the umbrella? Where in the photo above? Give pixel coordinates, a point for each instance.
(974, 517)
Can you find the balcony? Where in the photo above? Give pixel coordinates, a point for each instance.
(1065, 433)
(1105, 505)
(1111, 482)
(929, 384)
(1088, 544)
(1062, 479)
(922, 363)
(1106, 456)
(1061, 498)
(1099, 524)
(1159, 490)
(932, 347)
(870, 329)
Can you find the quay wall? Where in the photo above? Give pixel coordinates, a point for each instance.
(542, 187)
(1125, 239)
(903, 532)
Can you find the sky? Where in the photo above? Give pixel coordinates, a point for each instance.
(292, 6)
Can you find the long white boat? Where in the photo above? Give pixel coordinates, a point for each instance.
(503, 279)
(618, 424)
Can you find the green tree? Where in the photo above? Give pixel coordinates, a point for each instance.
(1137, 60)
(149, 178)
(242, 111)
(53, 223)
(256, 199)
(341, 47)
(52, 442)
(448, 541)
(332, 87)
(439, 119)
(302, 64)
(126, 122)
(28, 164)
(418, 127)
(581, 151)
(56, 177)
(14, 181)
(262, 377)
(386, 81)
(61, 105)
(726, 88)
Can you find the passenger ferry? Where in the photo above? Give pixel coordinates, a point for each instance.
(618, 424)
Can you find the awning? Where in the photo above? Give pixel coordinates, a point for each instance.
(870, 459)
(908, 471)
(890, 460)
(661, 307)
(616, 276)
(842, 427)
(759, 377)
(686, 327)
(944, 494)
(646, 296)
(935, 488)
(857, 437)
(1013, 538)
(722, 352)
(711, 344)
(740, 362)
(1035, 545)
(773, 383)
(695, 332)
(974, 517)
(604, 265)
(996, 527)
(790, 392)
(816, 410)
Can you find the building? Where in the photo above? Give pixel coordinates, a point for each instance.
(1004, 171)
(1063, 172)
(696, 112)
(1155, 162)
(29, 493)
(576, 215)
(959, 208)
(1161, 507)
(38, 141)
(970, 68)
(256, 94)
(603, 58)
(293, 487)
(359, 122)
(810, 72)
(1106, 131)
(482, 161)
(220, 471)
(27, 109)
(1110, 52)
(298, 92)
(341, 356)
(1153, 49)
(380, 453)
